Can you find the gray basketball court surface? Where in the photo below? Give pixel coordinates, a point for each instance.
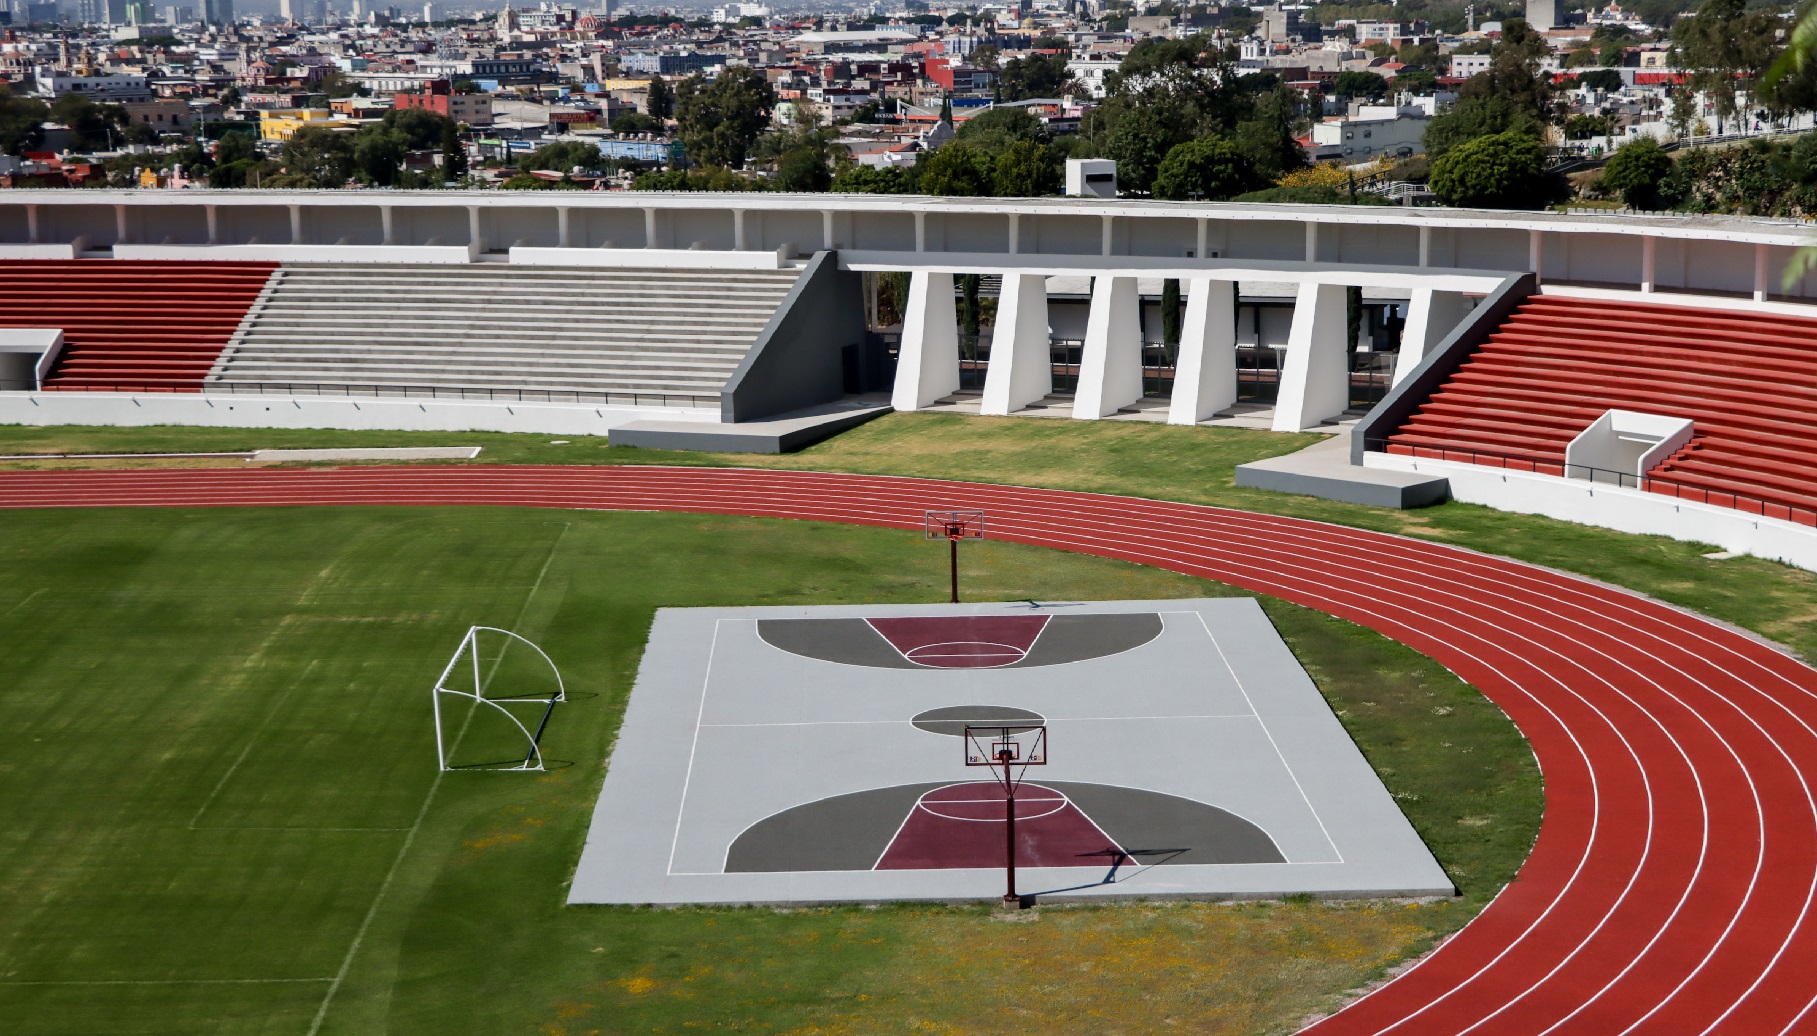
(795, 755)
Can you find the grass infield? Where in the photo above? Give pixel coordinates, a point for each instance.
(223, 813)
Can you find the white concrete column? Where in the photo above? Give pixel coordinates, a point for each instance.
(649, 228)
(388, 221)
(1312, 242)
(1015, 233)
(562, 224)
(1648, 265)
(738, 230)
(826, 230)
(1200, 245)
(1760, 273)
(1535, 252)
(296, 224)
(1021, 370)
(1315, 381)
(1205, 372)
(1431, 315)
(1109, 236)
(1110, 371)
(476, 242)
(927, 364)
(31, 223)
(920, 231)
(120, 234)
(214, 225)
(1425, 246)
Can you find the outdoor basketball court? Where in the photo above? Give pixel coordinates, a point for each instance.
(790, 755)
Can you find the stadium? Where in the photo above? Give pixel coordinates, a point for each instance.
(1415, 600)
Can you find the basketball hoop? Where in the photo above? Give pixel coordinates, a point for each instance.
(953, 526)
(1008, 751)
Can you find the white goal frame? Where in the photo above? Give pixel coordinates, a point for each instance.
(469, 645)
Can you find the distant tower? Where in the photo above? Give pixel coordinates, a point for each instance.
(1546, 14)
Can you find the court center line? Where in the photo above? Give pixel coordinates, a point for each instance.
(1260, 722)
(397, 862)
(1049, 721)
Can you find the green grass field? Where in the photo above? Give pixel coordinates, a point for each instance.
(223, 816)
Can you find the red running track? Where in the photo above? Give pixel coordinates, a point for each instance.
(1673, 878)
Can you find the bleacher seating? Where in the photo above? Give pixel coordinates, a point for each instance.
(1747, 381)
(494, 331)
(134, 326)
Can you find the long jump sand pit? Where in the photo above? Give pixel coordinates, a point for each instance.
(798, 755)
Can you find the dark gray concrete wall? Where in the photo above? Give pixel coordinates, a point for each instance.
(1442, 362)
(800, 359)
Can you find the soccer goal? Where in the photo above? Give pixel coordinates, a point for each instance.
(493, 677)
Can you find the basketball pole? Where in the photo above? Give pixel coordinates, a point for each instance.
(1005, 756)
(953, 541)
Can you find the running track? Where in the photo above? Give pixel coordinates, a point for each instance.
(1672, 884)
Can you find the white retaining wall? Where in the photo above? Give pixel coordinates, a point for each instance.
(1614, 507)
(244, 411)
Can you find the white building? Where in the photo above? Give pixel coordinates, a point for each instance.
(735, 12)
(102, 88)
(1091, 72)
(1375, 129)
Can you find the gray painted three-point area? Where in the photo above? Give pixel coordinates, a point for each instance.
(795, 755)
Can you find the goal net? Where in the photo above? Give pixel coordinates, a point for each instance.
(493, 702)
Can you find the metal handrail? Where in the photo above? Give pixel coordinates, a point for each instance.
(1604, 476)
(348, 391)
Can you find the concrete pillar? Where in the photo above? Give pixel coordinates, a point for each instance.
(1109, 236)
(738, 230)
(1015, 233)
(1315, 379)
(1021, 370)
(562, 224)
(1649, 246)
(649, 228)
(1431, 315)
(296, 224)
(388, 220)
(214, 225)
(920, 231)
(1425, 246)
(1760, 273)
(1205, 372)
(1110, 371)
(476, 240)
(33, 234)
(120, 234)
(826, 230)
(1535, 252)
(927, 364)
(1312, 242)
(1200, 245)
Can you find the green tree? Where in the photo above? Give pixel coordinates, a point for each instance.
(21, 122)
(720, 121)
(957, 170)
(1605, 79)
(1037, 75)
(337, 84)
(1418, 82)
(1027, 170)
(317, 157)
(1140, 142)
(861, 179)
(804, 170)
(1475, 118)
(1208, 169)
(1515, 75)
(562, 156)
(996, 129)
(378, 154)
(230, 97)
(91, 125)
(1501, 171)
(454, 154)
(421, 128)
(1726, 40)
(636, 122)
(1637, 171)
(1359, 84)
(659, 102)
